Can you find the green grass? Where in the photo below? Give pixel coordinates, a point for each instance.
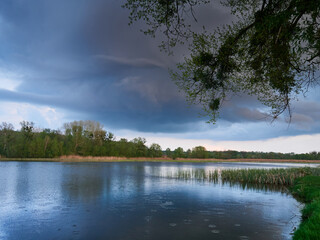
(308, 189)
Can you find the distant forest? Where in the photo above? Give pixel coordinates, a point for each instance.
(88, 138)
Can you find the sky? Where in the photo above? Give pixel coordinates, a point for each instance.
(62, 61)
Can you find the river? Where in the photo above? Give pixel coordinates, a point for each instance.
(135, 200)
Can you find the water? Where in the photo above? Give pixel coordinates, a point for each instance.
(130, 201)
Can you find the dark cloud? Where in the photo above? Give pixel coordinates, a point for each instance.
(134, 62)
(81, 55)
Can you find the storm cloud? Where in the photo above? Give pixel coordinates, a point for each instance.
(81, 56)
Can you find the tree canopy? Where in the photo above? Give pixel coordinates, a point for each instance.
(271, 50)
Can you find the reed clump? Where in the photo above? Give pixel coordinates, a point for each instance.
(196, 174)
(277, 176)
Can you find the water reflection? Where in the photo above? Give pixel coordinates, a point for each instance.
(137, 201)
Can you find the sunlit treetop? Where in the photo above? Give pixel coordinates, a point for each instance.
(271, 51)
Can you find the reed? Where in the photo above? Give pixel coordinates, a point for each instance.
(194, 174)
(277, 176)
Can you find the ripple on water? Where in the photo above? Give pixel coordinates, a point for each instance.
(187, 221)
(212, 226)
(215, 231)
(244, 237)
(166, 204)
(172, 224)
(148, 218)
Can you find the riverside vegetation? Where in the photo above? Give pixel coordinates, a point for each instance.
(304, 183)
(88, 138)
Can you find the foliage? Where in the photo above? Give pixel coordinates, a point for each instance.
(155, 150)
(308, 189)
(199, 152)
(165, 16)
(168, 152)
(271, 50)
(178, 153)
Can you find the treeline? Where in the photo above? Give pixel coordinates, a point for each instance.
(201, 152)
(88, 138)
(84, 138)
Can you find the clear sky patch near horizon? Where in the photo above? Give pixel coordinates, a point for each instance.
(62, 61)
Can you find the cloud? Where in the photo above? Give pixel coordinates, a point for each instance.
(93, 65)
(9, 84)
(47, 117)
(134, 62)
(301, 121)
(153, 89)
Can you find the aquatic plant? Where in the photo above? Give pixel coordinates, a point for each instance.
(277, 176)
(194, 174)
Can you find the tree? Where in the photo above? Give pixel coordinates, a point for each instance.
(178, 153)
(6, 136)
(75, 130)
(188, 153)
(271, 50)
(155, 150)
(140, 147)
(199, 152)
(168, 152)
(27, 129)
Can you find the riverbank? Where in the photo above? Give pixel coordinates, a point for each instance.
(308, 190)
(303, 183)
(141, 159)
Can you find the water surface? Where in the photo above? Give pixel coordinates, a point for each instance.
(136, 201)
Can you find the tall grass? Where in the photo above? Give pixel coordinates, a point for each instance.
(194, 174)
(276, 176)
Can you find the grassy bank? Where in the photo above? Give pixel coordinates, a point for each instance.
(308, 190)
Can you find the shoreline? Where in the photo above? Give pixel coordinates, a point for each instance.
(142, 159)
